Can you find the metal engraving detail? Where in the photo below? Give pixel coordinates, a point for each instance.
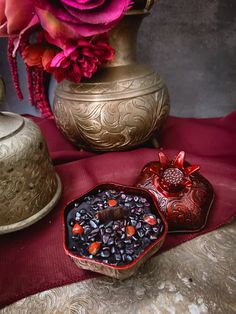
(112, 124)
(142, 82)
(27, 177)
(186, 211)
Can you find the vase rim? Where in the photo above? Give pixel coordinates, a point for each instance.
(10, 123)
(143, 12)
(141, 6)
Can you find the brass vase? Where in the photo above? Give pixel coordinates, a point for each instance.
(122, 105)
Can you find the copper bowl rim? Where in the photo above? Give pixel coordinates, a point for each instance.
(113, 185)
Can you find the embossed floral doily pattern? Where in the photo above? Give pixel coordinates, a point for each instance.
(195, 277)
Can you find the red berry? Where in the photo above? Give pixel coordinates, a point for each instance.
(130, 230)
(150, 219)
(77, 229)
(94, 248)
(112, 203)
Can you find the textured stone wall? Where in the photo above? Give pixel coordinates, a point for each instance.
(192, 44)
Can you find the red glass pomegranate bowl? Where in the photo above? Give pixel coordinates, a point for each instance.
(183, 194)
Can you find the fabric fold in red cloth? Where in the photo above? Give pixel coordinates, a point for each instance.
(33, 260)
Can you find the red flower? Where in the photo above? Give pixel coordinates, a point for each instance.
(32, 55)
(73, 60)
(80, 58)
(79, 18)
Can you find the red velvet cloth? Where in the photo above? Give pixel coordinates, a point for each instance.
(33, 259)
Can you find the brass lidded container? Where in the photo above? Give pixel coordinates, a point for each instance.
(29, 185)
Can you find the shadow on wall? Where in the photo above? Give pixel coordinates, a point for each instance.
(192, 44)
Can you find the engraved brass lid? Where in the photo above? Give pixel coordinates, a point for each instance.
(29, 185)
(10, 124)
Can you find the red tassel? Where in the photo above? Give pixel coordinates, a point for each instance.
(30, 81)
(40, 94)
(13, 66)
(29, 74)
(35, 79)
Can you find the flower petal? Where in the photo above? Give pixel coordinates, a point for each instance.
(57, 60)
(18, 16)
(47, 57)
(58, 29)
(3, 30)
(56, 10)
(2, 11)
(84, 5)
(33, 24)
(112, 11)
(52, 25)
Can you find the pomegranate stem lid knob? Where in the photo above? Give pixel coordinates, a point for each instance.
(175, 176)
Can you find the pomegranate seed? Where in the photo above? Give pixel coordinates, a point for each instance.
(94, 248)
(150, 219)
(130, 230)
(77, 229)
(112, 203)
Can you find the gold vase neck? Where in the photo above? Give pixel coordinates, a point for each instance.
(123, 38)
(141, 6)
(10, 124)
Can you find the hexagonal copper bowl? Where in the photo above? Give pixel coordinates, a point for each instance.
(125, 271)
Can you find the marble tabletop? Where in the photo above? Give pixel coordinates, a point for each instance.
(198, 276)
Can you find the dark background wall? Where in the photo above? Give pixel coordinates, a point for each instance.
(192, 44)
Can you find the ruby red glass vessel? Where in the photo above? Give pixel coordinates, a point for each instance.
(183, 194)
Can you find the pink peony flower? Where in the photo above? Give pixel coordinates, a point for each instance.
(80, 58)
(74, 18)
(16, 18)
